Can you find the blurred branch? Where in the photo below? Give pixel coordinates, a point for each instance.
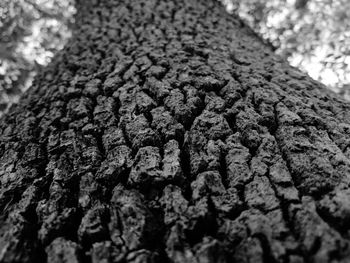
(43, 12)
(300, 4)
(6, 52)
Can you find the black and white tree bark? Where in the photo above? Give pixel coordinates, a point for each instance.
(167, 131)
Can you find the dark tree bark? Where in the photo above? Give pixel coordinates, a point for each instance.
(166, 131)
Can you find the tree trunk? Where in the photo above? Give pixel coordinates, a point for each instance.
(166, 131)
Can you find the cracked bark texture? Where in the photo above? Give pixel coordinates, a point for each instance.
(166, 131)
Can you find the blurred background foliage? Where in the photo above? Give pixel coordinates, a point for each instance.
(31, 32)
(313, 35)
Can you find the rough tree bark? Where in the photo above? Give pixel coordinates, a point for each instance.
(166, 131)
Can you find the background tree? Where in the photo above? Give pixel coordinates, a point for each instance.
(168, 131)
